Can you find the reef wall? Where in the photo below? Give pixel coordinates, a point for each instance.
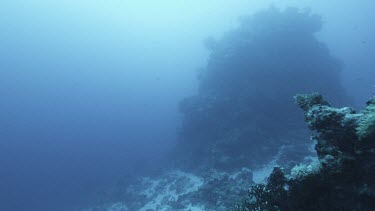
(244, 111)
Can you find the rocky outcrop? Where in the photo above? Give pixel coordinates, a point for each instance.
(243, 113)
(343, 178)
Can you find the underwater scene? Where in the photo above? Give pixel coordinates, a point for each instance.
(175, 105)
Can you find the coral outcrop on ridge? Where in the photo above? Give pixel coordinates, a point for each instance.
(344, 176)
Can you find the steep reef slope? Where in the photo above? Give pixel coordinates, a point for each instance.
(244, 111)
(243, 116)
(344, 176)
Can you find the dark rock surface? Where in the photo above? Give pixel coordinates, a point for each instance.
(244, 111)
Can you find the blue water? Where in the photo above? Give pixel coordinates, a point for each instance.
(89, 89)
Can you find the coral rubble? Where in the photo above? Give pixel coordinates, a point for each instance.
(177, 190)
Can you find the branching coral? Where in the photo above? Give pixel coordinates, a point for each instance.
(366, 124)
(271, 196)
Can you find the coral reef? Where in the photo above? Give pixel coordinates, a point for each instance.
(251, 73)
(243, 116)
(344, 176)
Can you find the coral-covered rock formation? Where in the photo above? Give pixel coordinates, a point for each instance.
(234, 121)
(344, 176)
(244, 117)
